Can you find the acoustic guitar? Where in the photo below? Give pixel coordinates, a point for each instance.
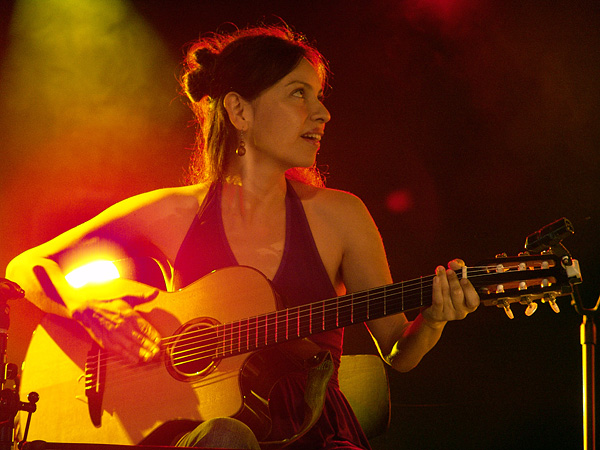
(226, 342)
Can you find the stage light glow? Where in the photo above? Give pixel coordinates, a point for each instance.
(399, 201)
(451, 16)
(100, 271)
(86, 92)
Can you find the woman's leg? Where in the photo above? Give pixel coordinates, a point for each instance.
(221, 433)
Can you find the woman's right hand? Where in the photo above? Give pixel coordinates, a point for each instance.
(118, 328)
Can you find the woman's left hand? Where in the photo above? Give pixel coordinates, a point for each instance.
(452, 298)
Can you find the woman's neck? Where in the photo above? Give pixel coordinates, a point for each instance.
(253, 198)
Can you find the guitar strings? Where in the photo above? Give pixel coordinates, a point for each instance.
(303, 313)
(202, 349)
(322, 308)
(205, 340)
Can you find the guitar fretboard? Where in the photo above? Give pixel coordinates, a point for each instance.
(303, 321)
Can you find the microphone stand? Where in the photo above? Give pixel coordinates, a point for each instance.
(10, 403)
(588, 340)
(550, 238)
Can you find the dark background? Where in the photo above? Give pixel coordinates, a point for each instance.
(464, 126)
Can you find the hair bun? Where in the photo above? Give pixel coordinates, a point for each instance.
(205, 57)
(200, 76)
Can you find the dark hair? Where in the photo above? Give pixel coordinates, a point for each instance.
(246, 61)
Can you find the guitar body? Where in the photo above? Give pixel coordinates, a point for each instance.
(138, 399)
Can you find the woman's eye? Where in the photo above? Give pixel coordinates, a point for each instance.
(298, 93)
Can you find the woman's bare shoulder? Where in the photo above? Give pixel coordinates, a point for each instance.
(152, 206)
(181, 196)
(330, 202)
(160, 216)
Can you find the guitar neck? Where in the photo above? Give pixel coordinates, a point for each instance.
(498, 282)
(306, 320)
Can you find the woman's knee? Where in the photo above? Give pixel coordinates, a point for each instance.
(221, 432)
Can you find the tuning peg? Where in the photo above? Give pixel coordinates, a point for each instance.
(506, 305)
(502, 255)
(552, 302)
(531, 307)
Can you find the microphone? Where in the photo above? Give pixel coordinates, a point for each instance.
(549, 236)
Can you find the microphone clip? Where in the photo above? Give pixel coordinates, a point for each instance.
(550, 237)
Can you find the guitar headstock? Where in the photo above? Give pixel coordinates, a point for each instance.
(524, 279)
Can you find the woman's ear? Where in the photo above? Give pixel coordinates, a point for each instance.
(238, 110)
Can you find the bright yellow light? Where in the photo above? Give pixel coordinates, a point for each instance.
(95, 272)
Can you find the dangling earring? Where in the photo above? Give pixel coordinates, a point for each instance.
(241, 150)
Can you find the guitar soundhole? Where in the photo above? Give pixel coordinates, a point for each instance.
(192, 351)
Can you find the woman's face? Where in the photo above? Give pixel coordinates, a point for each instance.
(288, 119)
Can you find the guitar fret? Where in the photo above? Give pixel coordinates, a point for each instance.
(261, 324)
(243, 332)
(266, 331)
(330, 316)
(377, 305)
(248, 336)
(396, 301)
(281, 332)
(384, 302)
(271, 329)
(317, 321)
(235, 337)
(293, 323)
(229, 334)
(304, 319)
(238, 341)
(246, 333)
(345, 311)
(226, 338)
(402, 294)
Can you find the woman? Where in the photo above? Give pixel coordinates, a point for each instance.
(256, 200)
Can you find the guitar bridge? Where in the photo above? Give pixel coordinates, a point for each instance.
(95, 377)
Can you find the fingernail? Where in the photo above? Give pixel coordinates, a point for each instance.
(147, 355)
